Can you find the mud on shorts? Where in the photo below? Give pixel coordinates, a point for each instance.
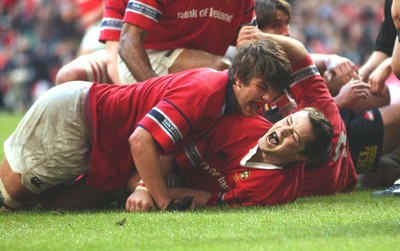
(161, 61)
(50, 146)
(365, 137)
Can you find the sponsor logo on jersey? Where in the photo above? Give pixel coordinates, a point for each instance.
(144, 10)
(169, 52)
(37, 182)
(111, 24)
(242, 175)
(369, 115)
(214, 173)
(207, 13)
(366, 159)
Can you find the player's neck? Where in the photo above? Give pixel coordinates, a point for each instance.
(261, 157)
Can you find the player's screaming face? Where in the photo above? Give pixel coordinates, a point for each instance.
(250, 98)
(286, 139)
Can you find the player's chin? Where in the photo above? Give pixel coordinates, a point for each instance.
(250, 111)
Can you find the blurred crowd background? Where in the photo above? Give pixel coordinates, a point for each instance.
(37, 37)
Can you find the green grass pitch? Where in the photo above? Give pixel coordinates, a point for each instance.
(352, 221)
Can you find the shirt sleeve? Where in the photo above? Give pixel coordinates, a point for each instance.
(387, 33)
(111, 24)
(145, 13)
(175, 120)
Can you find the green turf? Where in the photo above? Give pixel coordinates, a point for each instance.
(8, 122)
(351, 221)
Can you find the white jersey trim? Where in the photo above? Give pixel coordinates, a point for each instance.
(258, 165)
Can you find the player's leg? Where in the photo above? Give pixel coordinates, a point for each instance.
(365, 138)
(13, 193)
(390, 163)
(379, 123)
(174, 61)
(90, 67)
(391, 123)
(190, 58)
(387, 172)
(49, 147)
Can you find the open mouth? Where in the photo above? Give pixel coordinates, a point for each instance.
(273, 138)
(254, 106)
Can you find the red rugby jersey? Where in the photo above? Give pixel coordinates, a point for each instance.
(175, 109)
(210, 26)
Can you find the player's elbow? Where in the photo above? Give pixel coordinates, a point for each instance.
(139, 140)
(134, 141)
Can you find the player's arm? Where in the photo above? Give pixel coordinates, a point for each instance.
(133, 53)
(374, 60)
(395, 12)
(144, 152)
(200, 197)
(112, 61)
(139, 198)
(294, 49)
(335, 65)
(377, 79)
(396, 59)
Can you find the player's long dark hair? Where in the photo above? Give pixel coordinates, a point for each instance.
(263, 59)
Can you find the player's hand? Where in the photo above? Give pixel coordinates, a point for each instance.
(139, 201)
(351, 93)
(184, 204)
(248, 34)
(341, 67)
(378, 77)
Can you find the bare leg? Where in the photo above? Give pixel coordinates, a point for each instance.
(391, 123)
(190, 58)
(13, 186)
(90, 67)
(385, 176)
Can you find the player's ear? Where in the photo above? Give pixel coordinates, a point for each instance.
(237, 81)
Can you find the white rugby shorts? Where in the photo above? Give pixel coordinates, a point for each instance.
(50, 146)
(161, 61)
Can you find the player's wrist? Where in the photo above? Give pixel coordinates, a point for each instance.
(141, 186)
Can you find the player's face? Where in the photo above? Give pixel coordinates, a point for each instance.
(283, 143)
(279, 26)
(250, 98)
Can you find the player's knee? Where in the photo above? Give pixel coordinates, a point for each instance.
(13, 195)
(70, 73)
